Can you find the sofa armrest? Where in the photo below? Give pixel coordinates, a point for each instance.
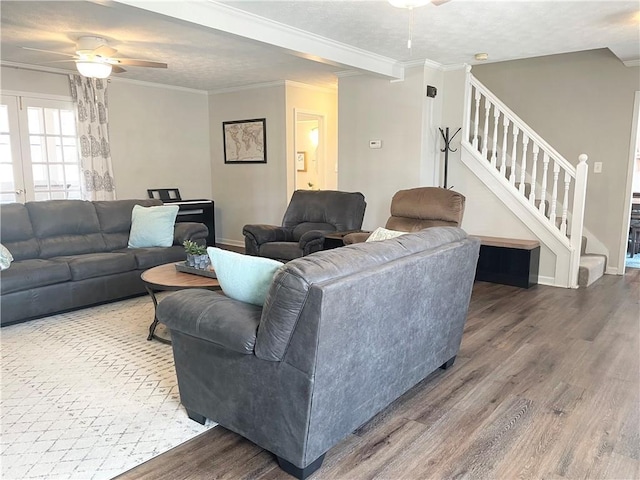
(312, 241)
(196, 232)
(355, 237)
(213, 317)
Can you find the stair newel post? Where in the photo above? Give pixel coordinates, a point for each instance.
(467, 104)
(523, 168)
(554, 193)
(505, 130)
(534, 173)
(565, 203)
(494, 151)
(577, 216)
(512, 177)
(476, 119)
(543, 192)
(485, 130)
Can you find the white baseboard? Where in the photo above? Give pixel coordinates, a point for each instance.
(612, 271)
(548, 281)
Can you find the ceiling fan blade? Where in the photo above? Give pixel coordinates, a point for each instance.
(104, 51)
(117, 69)
(61, 61)
(139, 63)
(437, 3)
(48, 51)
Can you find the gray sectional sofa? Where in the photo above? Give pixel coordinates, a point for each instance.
(342, 334)
(72, 253)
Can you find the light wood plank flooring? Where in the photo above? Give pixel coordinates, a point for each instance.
(546, 385)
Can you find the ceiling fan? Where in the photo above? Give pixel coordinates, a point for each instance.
(410, 5)
(95, 58)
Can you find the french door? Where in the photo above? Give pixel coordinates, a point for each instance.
(38, 150)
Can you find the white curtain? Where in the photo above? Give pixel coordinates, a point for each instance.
(90, 100)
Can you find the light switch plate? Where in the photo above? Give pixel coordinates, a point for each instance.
(375, 143)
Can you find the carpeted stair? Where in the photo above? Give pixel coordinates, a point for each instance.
(592, 266)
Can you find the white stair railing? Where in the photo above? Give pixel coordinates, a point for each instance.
(560, 206)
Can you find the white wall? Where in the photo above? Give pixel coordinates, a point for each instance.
(372, 108)
(579, 102)
(249, 193)
(159, 136)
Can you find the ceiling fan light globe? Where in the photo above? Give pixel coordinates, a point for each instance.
(409, 3)
(94, 69)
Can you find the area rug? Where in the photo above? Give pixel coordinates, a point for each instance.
(633, 262)
(84, 395)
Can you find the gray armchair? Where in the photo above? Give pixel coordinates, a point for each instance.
(310, 215)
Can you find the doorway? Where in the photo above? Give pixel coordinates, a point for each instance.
(630, 248)
(309, 164)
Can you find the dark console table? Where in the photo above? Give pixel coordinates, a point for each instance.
(508, 261)
(198, 211)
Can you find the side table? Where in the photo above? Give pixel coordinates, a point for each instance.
(336, 239)
(167, 278)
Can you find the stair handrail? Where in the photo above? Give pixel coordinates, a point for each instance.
(521, 124)
(577, 173)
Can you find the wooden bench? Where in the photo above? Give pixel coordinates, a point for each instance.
(509, 261)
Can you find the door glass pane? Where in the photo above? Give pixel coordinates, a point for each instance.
(52, 121)
(8, 198)
(37, 153)
(40, 196)
(4, 118)
(70, 153)
(35, 120)
(5, 148)
(72, 176)
(6, 177)
(68, 122)
(56, 177)
(58, 195)
(40, 177)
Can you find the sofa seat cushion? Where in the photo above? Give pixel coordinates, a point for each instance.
(281, 250)
(211, 316)
(33, 273)
(154, 256)
(94, 265)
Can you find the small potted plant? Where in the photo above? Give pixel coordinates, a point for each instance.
(197, 256)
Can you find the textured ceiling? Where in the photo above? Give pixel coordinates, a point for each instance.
(205, 58)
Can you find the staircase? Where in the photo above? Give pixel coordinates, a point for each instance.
(531, 178)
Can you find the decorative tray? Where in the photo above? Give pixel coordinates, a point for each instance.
(208, 272)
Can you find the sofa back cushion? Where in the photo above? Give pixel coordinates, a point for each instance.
(16, 232)
(115, 220)
(66, 227)
(290, 288)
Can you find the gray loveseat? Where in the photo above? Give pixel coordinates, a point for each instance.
(342, 334)
(72, 253)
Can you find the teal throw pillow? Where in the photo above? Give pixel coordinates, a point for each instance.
(243, 277)
(5, 257)
(152, 226)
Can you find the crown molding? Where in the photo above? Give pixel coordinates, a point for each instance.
(455, 66)
(295, 41)
(348, 73)
(62, 71)
(315, 88)
(252, 86)
(632, 63)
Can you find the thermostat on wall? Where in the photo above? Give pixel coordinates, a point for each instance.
(375, 143)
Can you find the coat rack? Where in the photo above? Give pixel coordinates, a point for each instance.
(447, 149)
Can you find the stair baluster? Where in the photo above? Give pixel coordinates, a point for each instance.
(503, 162)
(543, 190)
(554, 194)
(565, 203)
(512, 177)
(485, 132)
(494, 148)
(534, 174)
(523, 169)
(476, 119)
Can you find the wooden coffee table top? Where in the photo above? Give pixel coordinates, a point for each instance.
(166, 277)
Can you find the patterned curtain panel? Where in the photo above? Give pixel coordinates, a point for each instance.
(90, 99)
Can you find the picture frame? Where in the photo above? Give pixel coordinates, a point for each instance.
(301, 161)
(245, 141)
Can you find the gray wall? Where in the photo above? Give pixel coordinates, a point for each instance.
(250, 193)
(579, 102)
(159, 136)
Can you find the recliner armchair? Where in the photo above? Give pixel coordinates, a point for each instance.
(418, 208)
(310, 215)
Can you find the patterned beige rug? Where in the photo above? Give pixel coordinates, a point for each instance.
(84, 395)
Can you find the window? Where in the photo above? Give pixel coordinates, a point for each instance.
(38, 150)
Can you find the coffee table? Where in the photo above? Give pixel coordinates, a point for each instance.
(167, 278)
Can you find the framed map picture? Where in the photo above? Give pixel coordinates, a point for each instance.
(245, 141)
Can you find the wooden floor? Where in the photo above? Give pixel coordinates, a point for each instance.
(546, 385)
